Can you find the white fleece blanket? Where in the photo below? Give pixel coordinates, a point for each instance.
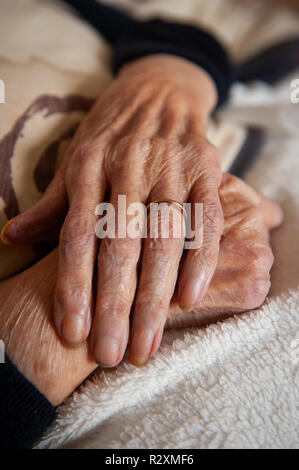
(233, 384)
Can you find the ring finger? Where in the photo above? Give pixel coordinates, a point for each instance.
(162, 252)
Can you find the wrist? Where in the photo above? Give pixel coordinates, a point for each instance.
(191, 78)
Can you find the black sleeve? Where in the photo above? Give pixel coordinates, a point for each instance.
(133, 39)
(24, 412)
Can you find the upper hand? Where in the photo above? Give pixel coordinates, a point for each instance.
(144, 138)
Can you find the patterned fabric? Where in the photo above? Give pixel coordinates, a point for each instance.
(49, 85)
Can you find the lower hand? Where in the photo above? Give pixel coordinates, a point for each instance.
(242, 278)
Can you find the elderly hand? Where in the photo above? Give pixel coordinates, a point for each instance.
(241, 281)
(144, 138)
(242, 277)
(31, 342)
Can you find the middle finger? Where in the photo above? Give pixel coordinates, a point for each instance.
(117, 279)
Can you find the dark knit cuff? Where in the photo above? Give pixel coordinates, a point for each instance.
(24, 412)
(133, 39)
(162, 37)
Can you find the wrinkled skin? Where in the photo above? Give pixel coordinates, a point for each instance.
(241, 282)
(242, 278)
(144, 138)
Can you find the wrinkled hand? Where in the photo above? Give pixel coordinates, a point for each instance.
(242, 277)
(29, 335)
(144, 138)
(241, 281)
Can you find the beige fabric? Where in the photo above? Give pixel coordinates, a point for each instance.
(51, 79)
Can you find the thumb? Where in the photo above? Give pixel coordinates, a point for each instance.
(42, 222)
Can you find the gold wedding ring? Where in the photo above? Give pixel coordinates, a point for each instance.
(169, 201)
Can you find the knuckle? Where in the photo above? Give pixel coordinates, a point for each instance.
(266, 257)
(121, 250)
(247, 224)
(85, 151)
(253, 216)
(260, 260)
(121, 310)
(261, 288)
(231, 184)
(205, 256)
(253, 281)
(76, 233)
(255, 293)
(214, 157)
(71, 298)
(253, 289)
(213, 217)
(127, 146)
(206, 149)
(211, 176)
(207, 168)
(114, 306)
(161, 248)
(151, 303)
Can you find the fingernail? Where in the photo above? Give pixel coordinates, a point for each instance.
(4, 235)
(192, 291)
(73, 329)
(106, 351)
(141, 346)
